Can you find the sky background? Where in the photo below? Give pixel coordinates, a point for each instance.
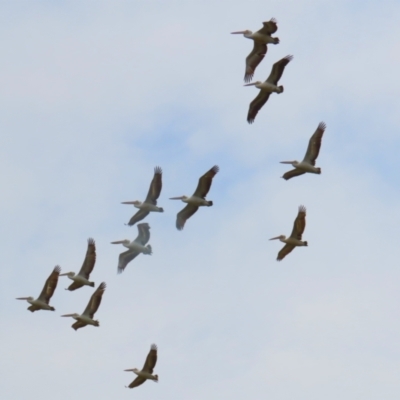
(95, 94)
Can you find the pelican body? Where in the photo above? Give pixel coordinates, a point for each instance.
(295, 237)
(42, 302)
(86, 318)
(135, 247)
(267, 87)
(198, 199)
(147, 370)
(150, 204)
(308, 163)
(82, 278)
(261, 39)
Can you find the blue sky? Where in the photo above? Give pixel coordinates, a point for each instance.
(95, 94)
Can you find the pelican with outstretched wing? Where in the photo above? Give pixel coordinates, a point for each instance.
(150, 204)
(308, 163)
(295, 237)
(86, 318)
(147, 370)
(135, 247)
(42, 302)
(198, 199)
(267, 87)
(261, 39)
(83, 276)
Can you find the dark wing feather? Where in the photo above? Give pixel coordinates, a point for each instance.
(141, 214)
(184, 215)
(205, 182)
(299, 224)
(277, 70)
(151, 360)
(155, 187)
(90, 259)
(78, 324)
(125, 258)
(75, 285)
(50, 285)
(253, 59)
(292, 173)
(95, 300)
(286, 249)
(269, 27)
(137, 382)
(256, 105)
(144, 233)
(315, 144)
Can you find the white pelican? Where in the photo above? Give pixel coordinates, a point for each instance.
(198, 199)
(150, 204)
(261, 38)
(308, 163)
(295, 237)
(267, 87)
(86, 318)
(135, 247)
(42, 302)
(82, 278)
(147, 370)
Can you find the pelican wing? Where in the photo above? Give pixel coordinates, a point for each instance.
(315, 144)
(299, 224)
(75, 285)
(155, 187)
(144, 233)
(205, 182)
(125, 258)
(277, 70)
(137, 382)
(90, 260)
(95, 300)
(78, 324)
(253, 59)
(256, 105)
(286, 249)
(141, 214)
(269, 27)
(184, 215)
(292, 173)
(151, 360)
(50, 285)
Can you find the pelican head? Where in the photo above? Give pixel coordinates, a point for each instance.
(183, 198)
(294, 163)
(280, 237)
(244, 33)
(253, 83)
(69, 274)
(74, 315)
(135, 202)
(25, 298)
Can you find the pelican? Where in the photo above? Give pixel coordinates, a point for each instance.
(147, 370)
(82, 278)
(295, 237)
(135, 247)
(86, 318)
(261, 38)
(42, 302)
(197, 200)
(308, 163)
(150, 204)
(267, 87)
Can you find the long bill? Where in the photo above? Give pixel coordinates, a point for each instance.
(176, 198)
(64, 274)
(130, 370)
(67, 315)
(22, 298)
(128, 202)
(118, 242)
(238, 32)
(250, 84)
(275, 238)
(286, 162)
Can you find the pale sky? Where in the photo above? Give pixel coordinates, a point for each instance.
(95, 94)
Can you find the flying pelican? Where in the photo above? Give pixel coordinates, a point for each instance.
(261, 38)
(150, 204)
(42, 302)
(308, 163)
(135, 247)
(295, 237)
(267, 87)
(82, 278)
(147, 370)
(86, 318)
(197, 200)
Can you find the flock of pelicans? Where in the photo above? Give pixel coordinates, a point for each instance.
(261, 39)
